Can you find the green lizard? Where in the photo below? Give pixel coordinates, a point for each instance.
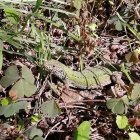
(90, 78)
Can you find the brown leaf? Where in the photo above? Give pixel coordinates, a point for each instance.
(71, 96)
(137, 108)
(132, 57)
(134, 122)
(13, 94)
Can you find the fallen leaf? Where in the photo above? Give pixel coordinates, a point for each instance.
(13, 94)
(132, 57)
(137, 108)
(134, 122)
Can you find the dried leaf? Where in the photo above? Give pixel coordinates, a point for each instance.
(135, 122)
(132, 57)
(137, 108)
(13, 94)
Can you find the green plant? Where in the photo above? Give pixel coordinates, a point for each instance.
(123, 123)
(36, 30)
(1, 54)
(12, 108)
(23, 82)
(83, 131)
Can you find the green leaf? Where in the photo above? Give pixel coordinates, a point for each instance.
(1, 59)
(27, 1)
(20, 105)
(12, 108)
(126, 71)
(21, 125)
(27, 75)
(135, 93)
(83, 131)
(121, 121)
(22, 87)
(116, 105)
(134, 136)
(4, 36)
(9, 110)
(38, 138)
(126, 102)
(1, 45)
(92, 26)
(35, 118)
(78, 4)
(81, 63)
(38, 4)
(19, 138)
(33, 131)
(50, 108)
(11, 76)
(112, 20)
(12, 15)
(5, 101)
(1, 54)
(118, 25)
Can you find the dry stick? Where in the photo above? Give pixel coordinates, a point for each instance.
(136, 10)
(83, 101)
(39, 95)
(56, 91)
(53, 128)
(97, 135)
(80, 107)
(61, 2)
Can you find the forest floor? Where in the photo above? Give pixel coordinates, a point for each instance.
(36, 104)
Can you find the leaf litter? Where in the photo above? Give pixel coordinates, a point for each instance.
(60, 116)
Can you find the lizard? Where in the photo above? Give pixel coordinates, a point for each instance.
(89, 78)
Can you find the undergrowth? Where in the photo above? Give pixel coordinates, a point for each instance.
(79, 33)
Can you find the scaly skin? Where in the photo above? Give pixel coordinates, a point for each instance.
(90, 78)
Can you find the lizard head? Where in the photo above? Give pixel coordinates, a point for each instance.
(56, 68)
